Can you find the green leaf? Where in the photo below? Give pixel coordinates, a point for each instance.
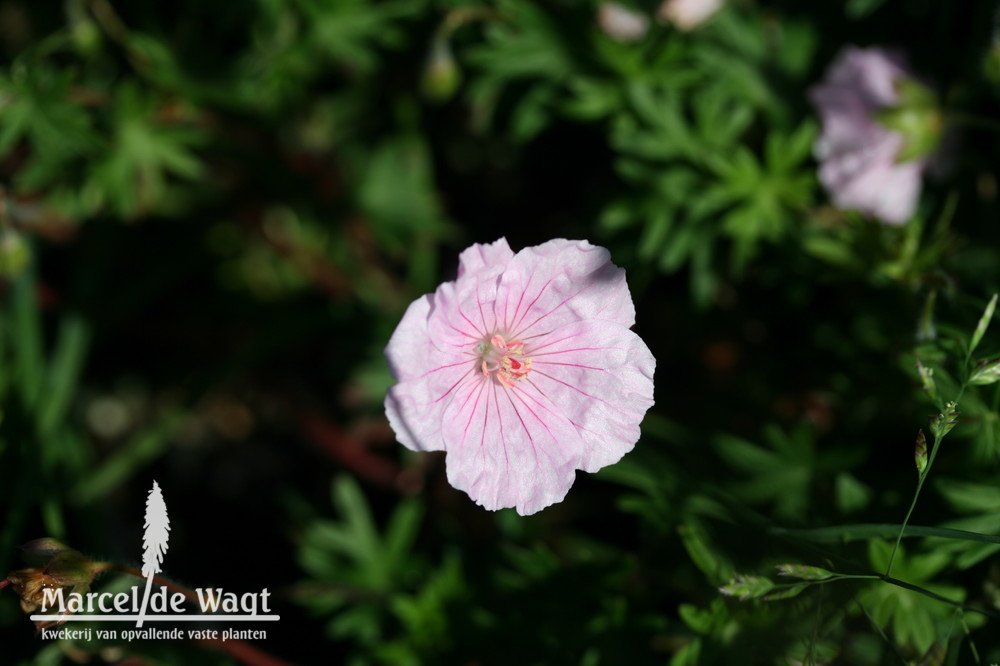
(969, 497)
(144, 155)
(859, 9)
(142, 449)
(846, 533)
(986, 373)
(703, 552)
(37, 107)
(983, 324)
(64, 371)
(26, 338)
(852, 495)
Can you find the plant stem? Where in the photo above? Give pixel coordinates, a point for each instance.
(913, 504)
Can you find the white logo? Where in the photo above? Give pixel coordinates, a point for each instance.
(215, 604)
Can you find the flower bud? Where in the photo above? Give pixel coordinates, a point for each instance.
(804, 572)
(942, 423)
(441, 75)
(621, 23)
(920, 453)
(688, 14)
(55, 566)
(747, 587)
(927, 380)
(916, 117)
(14, 254)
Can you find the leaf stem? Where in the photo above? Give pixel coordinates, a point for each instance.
(913, 504)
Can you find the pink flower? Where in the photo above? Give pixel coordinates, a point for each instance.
(688, 14)
(524, 370)
(621, 23)
(860, 160)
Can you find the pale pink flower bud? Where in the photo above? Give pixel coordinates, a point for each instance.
(621, 23)
(688, 14)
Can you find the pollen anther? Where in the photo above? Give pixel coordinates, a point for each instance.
(506, 359)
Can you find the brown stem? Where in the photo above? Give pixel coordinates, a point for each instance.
(348, 450)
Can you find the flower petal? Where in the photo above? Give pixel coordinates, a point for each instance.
(415, 407)
(479, 256)
(560, 282)
(507, 448)
(600, 376)
(410, 341)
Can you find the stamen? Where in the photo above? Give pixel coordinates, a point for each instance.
(506, 359)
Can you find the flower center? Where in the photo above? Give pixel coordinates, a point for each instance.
(505, 360)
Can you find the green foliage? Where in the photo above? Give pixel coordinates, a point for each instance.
(213, 216)
(915, 620)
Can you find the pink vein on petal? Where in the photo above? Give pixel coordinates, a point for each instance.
(465, 431)
(534, 449)
(528, 309)
(460, 380)
(535, 354)
(541, 317)
(482, 315)
(575, 388)
(460, 331)
(577, 365)
(506, 304)
(439, 368)
(503, 439)
(469, 322)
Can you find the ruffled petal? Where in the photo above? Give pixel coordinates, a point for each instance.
(560, 282)
(507, 448)
(410, 341)
(478, 257)
(415, 407)
(600, 376)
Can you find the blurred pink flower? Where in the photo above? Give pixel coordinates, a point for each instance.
(524, 370)
(860, 164)
(688, 14)
(621, 23)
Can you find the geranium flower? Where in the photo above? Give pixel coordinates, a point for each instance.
(865, 165)
(523, 370)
